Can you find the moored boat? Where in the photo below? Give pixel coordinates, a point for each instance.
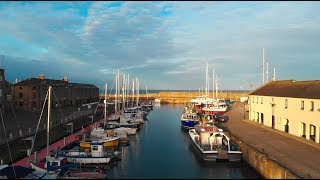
(189, 119)
(211, 144)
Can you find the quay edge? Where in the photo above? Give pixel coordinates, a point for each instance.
(262, 163)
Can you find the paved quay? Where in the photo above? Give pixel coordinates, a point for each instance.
(294, 153)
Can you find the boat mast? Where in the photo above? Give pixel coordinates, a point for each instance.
(118, 92)
(206, 89)
(128, 86)
(132, 93)
(137, 82)
(213, 83)
(267, 72)
(123, 91)
(217, 87)
(115, 96)
(105, 104)
(147, 94)
(48, 122)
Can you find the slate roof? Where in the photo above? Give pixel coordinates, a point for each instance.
(290, 88)
(52, 82)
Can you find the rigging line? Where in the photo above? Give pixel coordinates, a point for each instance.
(5, 133)
(35, 135)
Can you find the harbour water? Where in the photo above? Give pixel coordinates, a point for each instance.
(162, 150)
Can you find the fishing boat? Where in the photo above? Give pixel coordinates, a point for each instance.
(219, 108)
(94, 153)
(211, 144)
(189, 118)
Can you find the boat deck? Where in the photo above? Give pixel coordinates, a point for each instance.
(25, 162)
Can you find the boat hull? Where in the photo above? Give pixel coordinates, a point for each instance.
(188, 123)
(215, 155)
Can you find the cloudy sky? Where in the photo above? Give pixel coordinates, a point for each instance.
(164, 44)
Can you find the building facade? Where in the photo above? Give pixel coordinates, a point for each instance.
(289, 106)
(30, 94)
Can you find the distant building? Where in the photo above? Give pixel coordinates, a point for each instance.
(289, 106)
(30, 94)
(5, 92)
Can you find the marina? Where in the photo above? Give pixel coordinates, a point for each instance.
(159, 90)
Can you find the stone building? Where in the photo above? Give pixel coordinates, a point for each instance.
(289, 106)
(30, 93)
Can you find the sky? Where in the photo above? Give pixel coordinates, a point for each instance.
(166, 45)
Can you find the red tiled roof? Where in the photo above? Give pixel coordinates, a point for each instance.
(290, 88)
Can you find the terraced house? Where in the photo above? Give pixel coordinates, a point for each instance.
(290, 106)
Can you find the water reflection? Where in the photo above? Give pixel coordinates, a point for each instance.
(161, 149)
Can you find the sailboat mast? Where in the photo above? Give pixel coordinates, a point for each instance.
(206, 88)
(48, 121)
(137, 82)
(147, 94)
(213, 83)
(115, 97)
(132, 93)
(128, 86)
(123, 92)
(105, 104)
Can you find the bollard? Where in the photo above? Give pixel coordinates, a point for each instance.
(64, 141)
(20, 132)
(10, 135)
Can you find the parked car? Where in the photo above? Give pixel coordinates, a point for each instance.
(220, 118)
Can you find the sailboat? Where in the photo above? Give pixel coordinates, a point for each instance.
(52, 164)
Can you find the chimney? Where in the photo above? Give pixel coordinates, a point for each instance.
(41, 76)
(65, 78)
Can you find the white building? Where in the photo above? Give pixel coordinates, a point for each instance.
(289, 106)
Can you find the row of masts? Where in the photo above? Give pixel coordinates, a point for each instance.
(124, 91)
(215, 84)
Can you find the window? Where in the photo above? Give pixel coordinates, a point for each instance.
(261, 100)
(286, 103)
(33, 95)
(312, 106)
(302, 105)
(20, 87)
(94, 148)
(257, 100)
(33, 88)
(252, 99)
(20, 95)
(20, 103)
(272, 100)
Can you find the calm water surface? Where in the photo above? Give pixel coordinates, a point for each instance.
(162, 150)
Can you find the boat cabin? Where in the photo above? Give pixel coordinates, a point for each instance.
(212, 138)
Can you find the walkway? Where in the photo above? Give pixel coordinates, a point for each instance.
(295, 153)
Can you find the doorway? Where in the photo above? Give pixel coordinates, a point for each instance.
(272, 122)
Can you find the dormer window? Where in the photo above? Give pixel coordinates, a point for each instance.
(312, 106)
(302, 105)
